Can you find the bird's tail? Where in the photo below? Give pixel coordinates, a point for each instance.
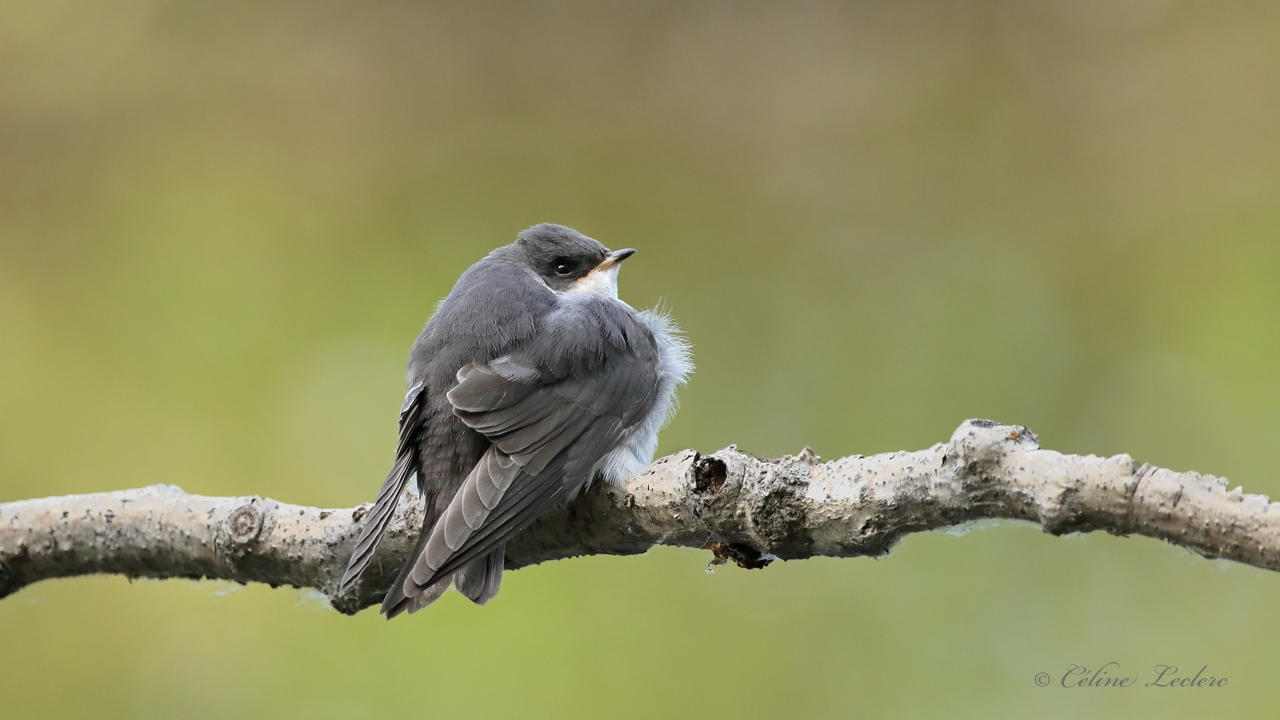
(478, 580)
(375, 523)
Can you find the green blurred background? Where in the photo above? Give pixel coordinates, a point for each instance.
(223, 224)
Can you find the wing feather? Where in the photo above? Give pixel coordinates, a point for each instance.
(552, 411)
(402, 470)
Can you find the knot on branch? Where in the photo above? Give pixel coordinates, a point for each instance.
(979, 445)
(777, 515)
(244, 523)
(709, 474)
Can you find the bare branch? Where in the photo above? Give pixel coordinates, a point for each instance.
(744, 509)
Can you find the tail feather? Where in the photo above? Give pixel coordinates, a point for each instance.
(497, 559)
(397, 601)
(426, 597)
(477, 576)
(480, 579)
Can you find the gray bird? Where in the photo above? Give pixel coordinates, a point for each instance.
(531, 380)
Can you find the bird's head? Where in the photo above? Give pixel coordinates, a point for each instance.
(568, 261)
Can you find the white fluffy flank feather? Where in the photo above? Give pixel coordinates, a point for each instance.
(675, 363)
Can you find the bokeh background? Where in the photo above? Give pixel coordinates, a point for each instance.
(223, 224)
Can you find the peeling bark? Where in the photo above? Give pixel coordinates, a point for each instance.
(744, 509)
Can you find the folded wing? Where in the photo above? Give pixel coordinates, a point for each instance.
(552, 411)
(406, 464)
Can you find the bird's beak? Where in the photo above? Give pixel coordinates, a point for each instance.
(614, 258)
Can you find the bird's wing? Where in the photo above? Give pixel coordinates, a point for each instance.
(552, 410)
(406, 464)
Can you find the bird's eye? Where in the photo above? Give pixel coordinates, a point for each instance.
(563, 269)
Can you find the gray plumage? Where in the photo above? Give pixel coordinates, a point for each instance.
(531, 379)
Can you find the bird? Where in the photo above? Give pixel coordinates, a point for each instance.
(531, 381)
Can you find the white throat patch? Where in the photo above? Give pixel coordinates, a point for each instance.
(598, 282)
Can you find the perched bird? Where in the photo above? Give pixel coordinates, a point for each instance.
(530, 380)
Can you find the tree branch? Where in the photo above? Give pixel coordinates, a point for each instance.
(743, 508)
